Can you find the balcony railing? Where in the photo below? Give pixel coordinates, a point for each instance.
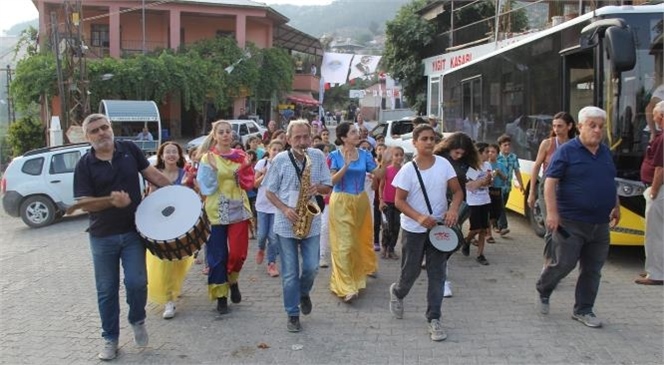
(130, 47)
(306, 82)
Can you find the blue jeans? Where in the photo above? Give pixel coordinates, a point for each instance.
(266, 236)
(502, 220)
(107, 252)
(296, 285)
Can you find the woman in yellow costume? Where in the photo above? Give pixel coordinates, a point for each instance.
(165, 277)
(351, 229)
(224, 176)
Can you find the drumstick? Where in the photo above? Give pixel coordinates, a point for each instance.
(88, 201)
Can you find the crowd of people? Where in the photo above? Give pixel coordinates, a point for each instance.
(365, 196)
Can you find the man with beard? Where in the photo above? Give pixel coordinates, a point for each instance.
(284, 191)
(110, 169)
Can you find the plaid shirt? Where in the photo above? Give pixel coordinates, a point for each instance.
(511, 163)
(284, 182)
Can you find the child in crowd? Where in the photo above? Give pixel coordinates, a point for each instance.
(251, 194)
(265, 212)
(511, 163)
(499, 172)
(375, 187)
(479, 201)
(254, 144)
(325, 219)
(386, 196)
(369, 187)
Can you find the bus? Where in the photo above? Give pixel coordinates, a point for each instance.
(610, 58)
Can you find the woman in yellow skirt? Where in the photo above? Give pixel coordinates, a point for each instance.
(351, 228)
(165, 277)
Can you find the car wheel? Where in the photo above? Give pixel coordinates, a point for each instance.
(536, 216)
(37, 211)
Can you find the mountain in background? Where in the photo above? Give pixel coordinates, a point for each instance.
(16, 29)
(343, 18)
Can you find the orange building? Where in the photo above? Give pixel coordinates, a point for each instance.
(116, 28)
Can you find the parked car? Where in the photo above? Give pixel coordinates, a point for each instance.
(241, 128)
(393, 131)
(38, 186)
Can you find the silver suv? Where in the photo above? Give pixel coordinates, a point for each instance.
(38, 186)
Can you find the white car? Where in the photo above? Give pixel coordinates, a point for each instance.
(39, 186)
(244, 128)
(394, 131)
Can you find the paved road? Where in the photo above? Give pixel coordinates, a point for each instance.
(48, 313)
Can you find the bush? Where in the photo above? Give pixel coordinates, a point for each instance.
(24, 135)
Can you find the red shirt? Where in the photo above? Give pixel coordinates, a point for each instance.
(654, 158)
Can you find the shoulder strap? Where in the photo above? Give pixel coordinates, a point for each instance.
(424, 190)
(298, 171)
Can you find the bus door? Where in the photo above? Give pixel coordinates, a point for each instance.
(471, 100)
(578, 80)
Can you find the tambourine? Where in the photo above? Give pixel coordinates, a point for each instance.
(445, 239)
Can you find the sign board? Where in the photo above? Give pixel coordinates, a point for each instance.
(437, 65)
(356, 94)
(75, 134)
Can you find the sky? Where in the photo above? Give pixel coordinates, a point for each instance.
(17, 11)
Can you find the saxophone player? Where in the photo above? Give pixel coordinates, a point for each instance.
(295, 177)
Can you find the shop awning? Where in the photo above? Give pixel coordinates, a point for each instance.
(303, 99)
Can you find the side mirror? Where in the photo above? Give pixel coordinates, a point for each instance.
(620, 49)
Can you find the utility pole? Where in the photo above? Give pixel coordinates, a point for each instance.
(76, 70)
(11, 112)
(64, 109)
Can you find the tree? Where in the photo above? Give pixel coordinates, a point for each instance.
(407, 38)
(195, 73)
(24, 135)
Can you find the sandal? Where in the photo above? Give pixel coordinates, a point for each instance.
(490, 240)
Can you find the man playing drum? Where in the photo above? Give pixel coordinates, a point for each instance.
(106, 184)
(422, 201)
(283, 190)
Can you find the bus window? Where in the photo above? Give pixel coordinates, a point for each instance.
(579, 83)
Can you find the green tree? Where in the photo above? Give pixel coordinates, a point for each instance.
(276, 76)
(195, 73)
(407, 38)
(24, 135)
(35, 79)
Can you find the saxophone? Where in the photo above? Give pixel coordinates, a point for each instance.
(306, 210)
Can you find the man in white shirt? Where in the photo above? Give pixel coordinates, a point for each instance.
(145, 135)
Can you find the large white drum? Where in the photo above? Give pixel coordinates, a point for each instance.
(445, 239)
(172, 223)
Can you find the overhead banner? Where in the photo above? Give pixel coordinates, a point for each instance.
(363, 66)
(335, 67)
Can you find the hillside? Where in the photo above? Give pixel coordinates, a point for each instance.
(342, 17)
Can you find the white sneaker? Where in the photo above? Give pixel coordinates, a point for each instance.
(447, 291)
(109, 351)
(436, 330)
(140, 334)
(169, 311)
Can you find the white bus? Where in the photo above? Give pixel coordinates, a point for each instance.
(611, 58)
